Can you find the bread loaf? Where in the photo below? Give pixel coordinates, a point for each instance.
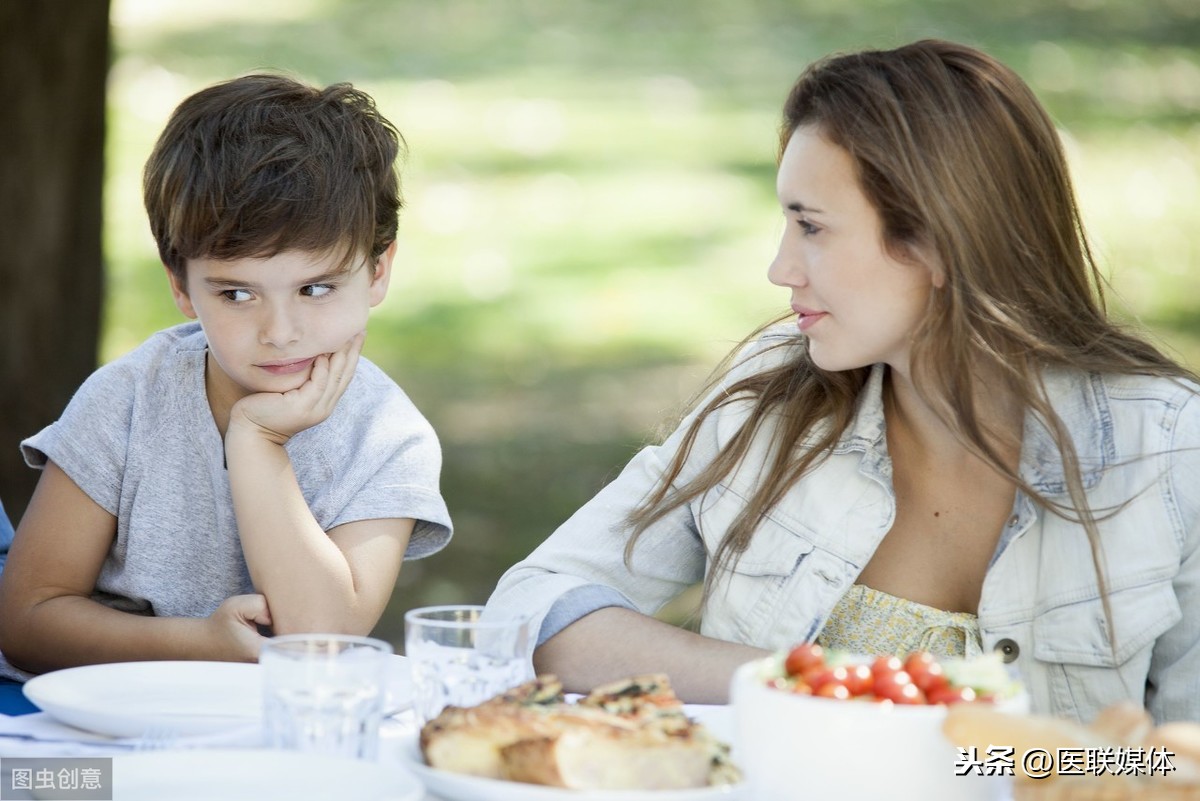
(632, 734)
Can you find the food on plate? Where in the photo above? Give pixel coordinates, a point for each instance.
(919, 678)
(630, 734)
(1112, 759)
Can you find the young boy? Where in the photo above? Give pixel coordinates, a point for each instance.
(246, 470)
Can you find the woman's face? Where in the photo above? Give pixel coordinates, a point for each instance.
(857, 304)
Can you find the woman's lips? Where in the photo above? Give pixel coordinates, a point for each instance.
(807, 318)
(288, 367)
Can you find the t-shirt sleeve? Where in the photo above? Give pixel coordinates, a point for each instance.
(385, 462)
(406, 485)
(89, 442)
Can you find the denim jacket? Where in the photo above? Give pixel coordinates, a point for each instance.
(1138, 442)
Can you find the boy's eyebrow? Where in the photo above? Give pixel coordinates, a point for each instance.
(218, 283)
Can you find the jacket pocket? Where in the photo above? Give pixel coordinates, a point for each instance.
(1077, 633)
(774, 549)
(1085, 672)
(747, 598)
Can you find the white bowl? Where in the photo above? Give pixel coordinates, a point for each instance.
(798, 746)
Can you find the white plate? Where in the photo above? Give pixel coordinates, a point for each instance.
(125, 699)
(460, 787)
(257, 775)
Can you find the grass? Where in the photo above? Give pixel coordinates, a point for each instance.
(591, 200)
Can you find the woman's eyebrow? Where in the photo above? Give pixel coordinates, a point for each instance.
(800, 208)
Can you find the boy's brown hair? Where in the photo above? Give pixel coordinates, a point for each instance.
(261, 164)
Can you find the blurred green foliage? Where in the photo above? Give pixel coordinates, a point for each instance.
(591, 210)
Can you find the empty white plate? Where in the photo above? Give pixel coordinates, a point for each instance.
(127, 699)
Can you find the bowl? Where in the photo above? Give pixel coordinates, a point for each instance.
(801, 746)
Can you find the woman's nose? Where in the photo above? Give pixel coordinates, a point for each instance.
(787, 268)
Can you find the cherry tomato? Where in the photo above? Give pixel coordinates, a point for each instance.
(804, 657)
(951, 695)
(886, 663)
(909, 694)
(891, 684)
(819, 678)
(833, 689)
(926, 672)
(859, 679)
(918, 660)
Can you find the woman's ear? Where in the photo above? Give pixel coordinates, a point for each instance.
(383, 274)
(926, 258)
(937, 273)
(183, 301)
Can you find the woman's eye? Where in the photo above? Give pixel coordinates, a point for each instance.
(808, 228)
(317, 290)
(236, 295)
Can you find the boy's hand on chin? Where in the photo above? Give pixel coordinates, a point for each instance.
(279, 416)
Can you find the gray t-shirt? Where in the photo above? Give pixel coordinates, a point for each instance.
(139, 438)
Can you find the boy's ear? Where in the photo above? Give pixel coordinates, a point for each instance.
(383, 274)
(179, 292)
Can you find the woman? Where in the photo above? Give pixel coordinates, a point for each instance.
(952, 448)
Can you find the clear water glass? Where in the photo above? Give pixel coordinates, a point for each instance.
(461, 656)
(324, 693)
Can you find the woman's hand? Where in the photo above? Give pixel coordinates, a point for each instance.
(279, 416)
(234, 627)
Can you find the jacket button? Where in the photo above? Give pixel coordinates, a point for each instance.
(1008, 649)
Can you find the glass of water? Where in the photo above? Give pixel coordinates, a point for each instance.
(461, 656)
(324, 693)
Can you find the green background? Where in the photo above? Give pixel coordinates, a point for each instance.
(590, 200)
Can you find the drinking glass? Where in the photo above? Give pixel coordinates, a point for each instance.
(461, 656)
(324, 693)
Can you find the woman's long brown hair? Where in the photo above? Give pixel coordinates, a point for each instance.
(963, 164)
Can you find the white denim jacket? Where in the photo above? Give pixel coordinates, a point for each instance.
(1137, 438)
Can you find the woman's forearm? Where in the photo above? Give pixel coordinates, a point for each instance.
(614, 643)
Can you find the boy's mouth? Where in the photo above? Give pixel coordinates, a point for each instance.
(287, 367)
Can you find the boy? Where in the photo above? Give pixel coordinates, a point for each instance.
(246, 470)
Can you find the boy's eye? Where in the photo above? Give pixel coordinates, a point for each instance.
(235, 295)
(317, 290)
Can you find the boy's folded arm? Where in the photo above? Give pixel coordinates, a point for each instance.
(50, 620)
(338, 581)
(69, 630)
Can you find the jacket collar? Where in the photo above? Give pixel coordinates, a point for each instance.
(1078, 398)
(1082, 406)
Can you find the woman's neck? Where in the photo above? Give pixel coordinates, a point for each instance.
(926, 427)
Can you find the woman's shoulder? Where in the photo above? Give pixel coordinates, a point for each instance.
(1173, 394)
(1148, 407)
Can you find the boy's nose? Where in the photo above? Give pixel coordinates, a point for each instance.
(279, 327)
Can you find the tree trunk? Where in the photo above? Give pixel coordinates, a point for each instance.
(53, 65)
